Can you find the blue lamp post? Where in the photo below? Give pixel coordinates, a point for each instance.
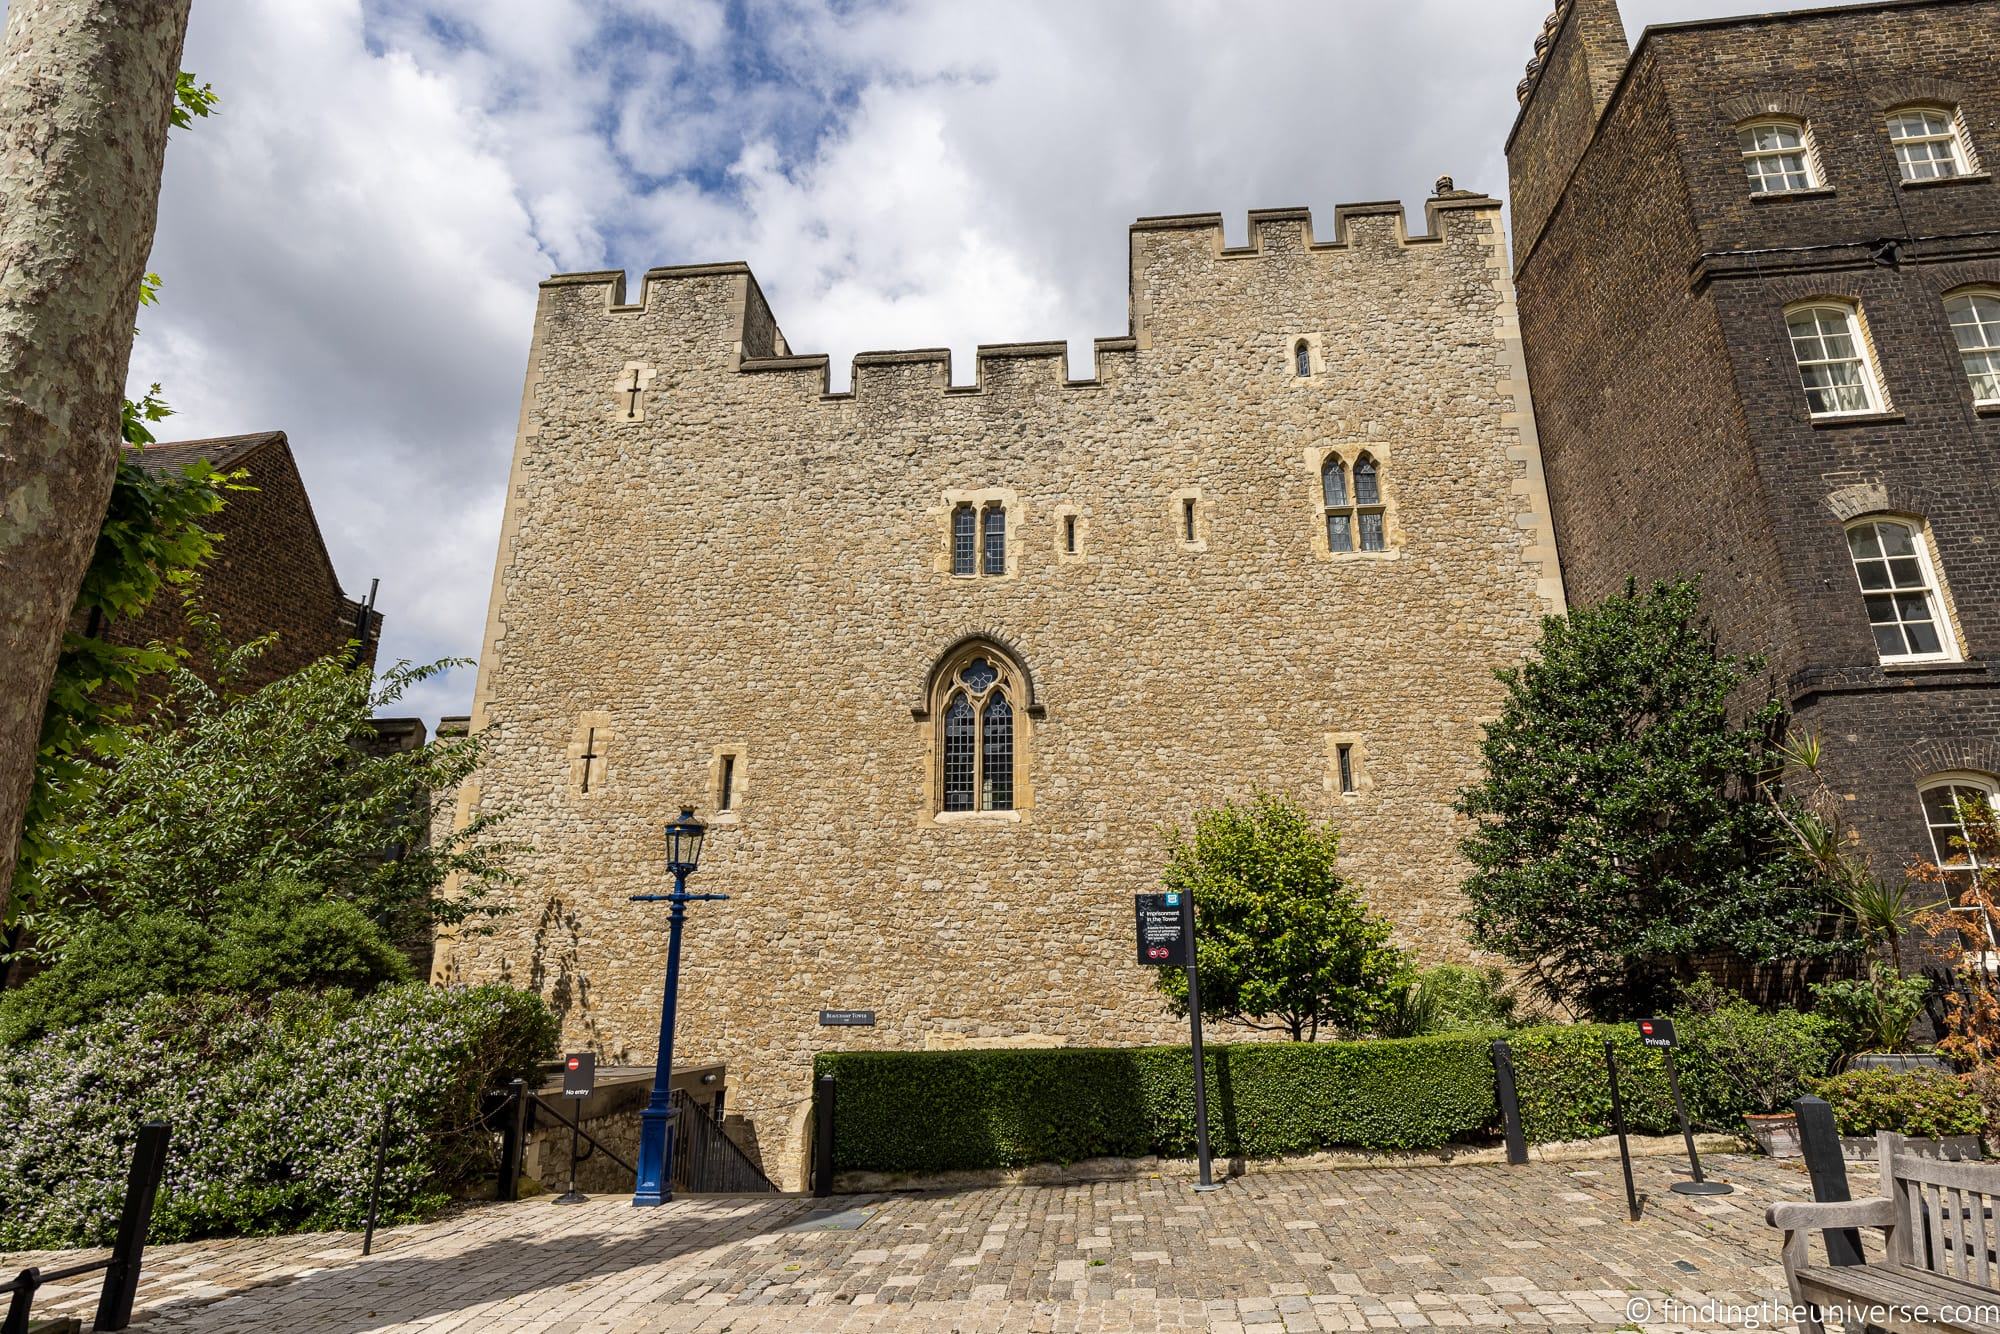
(656, 1141)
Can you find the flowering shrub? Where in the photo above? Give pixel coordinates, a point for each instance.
(274, 1105)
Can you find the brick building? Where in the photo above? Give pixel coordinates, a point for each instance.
(940, 662)
(1758, 263)
(270, 572)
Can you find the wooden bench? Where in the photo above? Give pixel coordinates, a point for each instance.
(1941, 1248)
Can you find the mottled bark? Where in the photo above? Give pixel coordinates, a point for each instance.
(86, 90)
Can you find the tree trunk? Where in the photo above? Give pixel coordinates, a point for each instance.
(86, 90)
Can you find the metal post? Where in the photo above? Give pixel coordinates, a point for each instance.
(573, 1195)
(375, 1186)
(656, 1143)
(1700, 1185)
(513, 1138)
(1819, 1141)
(142, 1187)
(1510, 1102)
(823, 1094)
(23, 1304)
(1194, 1041)
(1618, 1123)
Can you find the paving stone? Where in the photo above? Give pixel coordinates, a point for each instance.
(704, 1265)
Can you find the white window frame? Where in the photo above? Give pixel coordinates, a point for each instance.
(1932, 590)
(1978, 782)
(1953, 137)
(1988, 350)
(1875, 400)
(1807, 154)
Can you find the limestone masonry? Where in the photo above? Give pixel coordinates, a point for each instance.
(939, 663)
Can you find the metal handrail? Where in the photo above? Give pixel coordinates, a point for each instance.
(121, 1267)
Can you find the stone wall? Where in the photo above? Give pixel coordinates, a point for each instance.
(740, 564)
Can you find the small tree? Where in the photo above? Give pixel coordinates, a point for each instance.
(1623, 829)
(226, 792)
(1283, 942)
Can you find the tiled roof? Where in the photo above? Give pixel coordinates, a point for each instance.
(223, 451)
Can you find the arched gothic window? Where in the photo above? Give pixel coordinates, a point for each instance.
(1356, 521)
(1339, 517)
(1302, 360)
(977, 748)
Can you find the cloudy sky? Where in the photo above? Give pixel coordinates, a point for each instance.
(351, 246)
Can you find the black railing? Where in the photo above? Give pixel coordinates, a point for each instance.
(706, 1160)
(121, 1267)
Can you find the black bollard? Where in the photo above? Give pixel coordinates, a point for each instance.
(823, 1090)
(1618, 1123)
(513, 1142)
(1510, 1102)
(375, 1186)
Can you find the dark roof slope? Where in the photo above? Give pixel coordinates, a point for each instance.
(224, 451)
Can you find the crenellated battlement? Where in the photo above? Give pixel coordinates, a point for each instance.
(1359, 231)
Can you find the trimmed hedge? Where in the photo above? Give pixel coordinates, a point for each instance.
(956, 1110)
(274, 1106)
(942, 1111)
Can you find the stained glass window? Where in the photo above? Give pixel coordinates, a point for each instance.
(960, 743)
(1302, 358)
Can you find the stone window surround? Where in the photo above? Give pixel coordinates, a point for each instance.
(739, 783)
(1933, 569)
(1392, 533)
(929, 716)
(1065, 515)
(1204, 513)
(1009, 501)
(1317, 358)
(1357, 758)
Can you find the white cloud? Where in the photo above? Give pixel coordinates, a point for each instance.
(351, 246)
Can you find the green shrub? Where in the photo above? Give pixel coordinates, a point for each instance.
(274, 1106)
(942, 1111)
(1449, 998)
(1738, 1058)
(288, 936)
(1876, 1012)
(1926, 1103)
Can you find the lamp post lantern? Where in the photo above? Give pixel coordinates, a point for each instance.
(656, 1140)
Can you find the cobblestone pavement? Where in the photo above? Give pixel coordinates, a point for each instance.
(1381, 1248)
